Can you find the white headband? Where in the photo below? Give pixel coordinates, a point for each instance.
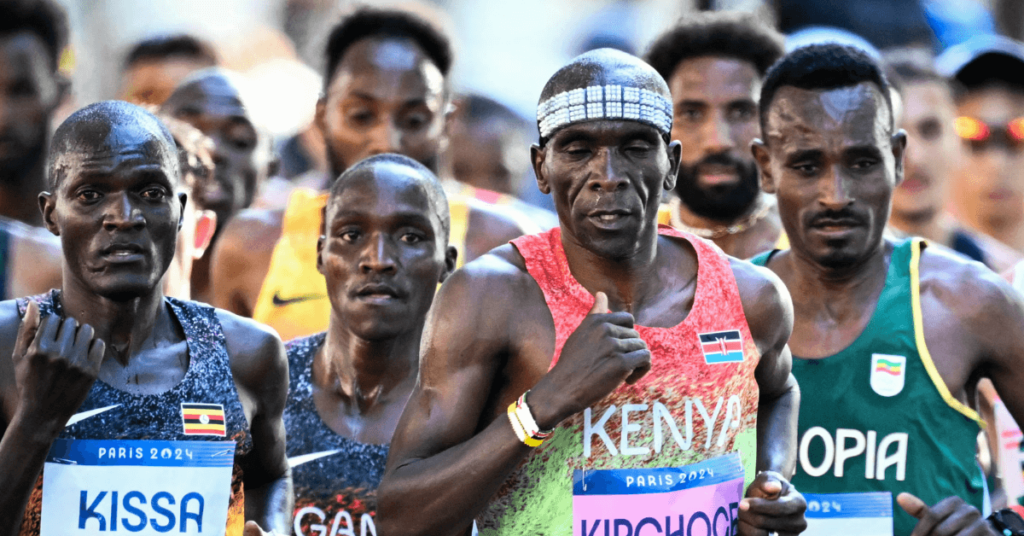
(604, 102)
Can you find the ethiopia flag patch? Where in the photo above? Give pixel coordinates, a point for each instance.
(722, 347)
(888, 374)
(203, 419)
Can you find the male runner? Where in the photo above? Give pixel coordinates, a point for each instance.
(385, 91)
(32, 37)
(932, 155)
(710, 334)
(714, 63)
(485, 157)
(177, 374)
(384, 251)
(195, 157)
(988, 190)
(891, 336)
(213, 101)
(155, 66)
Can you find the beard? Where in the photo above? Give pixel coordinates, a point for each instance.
(723, 203)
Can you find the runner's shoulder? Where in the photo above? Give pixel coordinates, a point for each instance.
(767, 304)
(253, 348)
(500, 275)
(967, 288)
(503, 222)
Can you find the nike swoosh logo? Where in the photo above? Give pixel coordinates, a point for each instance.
(305, 458)
(86, 414)
(281, 302)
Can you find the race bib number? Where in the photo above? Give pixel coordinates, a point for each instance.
(699, 499)
(137, 487)
(850, 514)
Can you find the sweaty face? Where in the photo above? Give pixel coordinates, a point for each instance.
(152, 82)
(715, 102)
(241, 156)
(607, 178)
(116, 210)
(383, 253)
(28, 94)
(386, 97)
(489, 154)
(990, 180)
(932, 151)
(833, 165)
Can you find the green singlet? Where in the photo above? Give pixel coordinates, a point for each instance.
(877, 416)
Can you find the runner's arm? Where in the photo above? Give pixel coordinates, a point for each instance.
(259, 366)
(769, 312)
(23, 447)
(441, 471)
(993, 315)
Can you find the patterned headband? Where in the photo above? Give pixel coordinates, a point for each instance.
(604, 102)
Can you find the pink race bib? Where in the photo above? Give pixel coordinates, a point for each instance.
(696, 500)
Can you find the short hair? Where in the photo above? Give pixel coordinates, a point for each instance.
(375, 22)
(44, 18)
(111, 113)
(724, 33)
(438, 198)
(473, 109)
(909, 66)
(166, 47)
(825, 66)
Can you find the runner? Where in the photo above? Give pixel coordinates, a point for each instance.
(385, 91)
(512, 353)
(714, 63)
(155, 66)
(195, 157)
(385, 252)
(919, 202)
(213, 100)
(891, 336)
(193, 382)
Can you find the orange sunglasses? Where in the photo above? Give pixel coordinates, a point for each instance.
(980, 132)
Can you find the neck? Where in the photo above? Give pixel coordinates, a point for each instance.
(691, 219)
(123, 325)
(837, 288)
(926, 223)
(626, 281)
(362, 372)
(19, 190)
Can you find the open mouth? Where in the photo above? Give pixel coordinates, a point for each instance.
(123, 252)
(609, 216)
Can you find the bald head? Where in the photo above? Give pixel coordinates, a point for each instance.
(213, 84)
(109, 127)
(395, 171)
(602, 68)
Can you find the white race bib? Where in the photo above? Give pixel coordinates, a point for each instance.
(137, 487)
(849, 514)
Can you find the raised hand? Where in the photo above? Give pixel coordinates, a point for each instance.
(949, 517)
(603, 352)
(772, 504)
(55, 364)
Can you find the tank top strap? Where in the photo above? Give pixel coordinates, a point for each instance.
(204, 333)
(48, 303)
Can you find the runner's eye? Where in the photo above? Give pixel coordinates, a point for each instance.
(349, 236)
(154, 194)
(88, 195)
(411, 238)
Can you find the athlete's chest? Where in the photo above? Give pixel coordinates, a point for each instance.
(149, 372)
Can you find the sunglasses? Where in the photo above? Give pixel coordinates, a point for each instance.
(980, 133)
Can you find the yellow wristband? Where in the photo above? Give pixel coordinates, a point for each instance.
(519, 430)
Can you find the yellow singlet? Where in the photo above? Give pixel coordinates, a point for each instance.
(293, 299)
(665, 218)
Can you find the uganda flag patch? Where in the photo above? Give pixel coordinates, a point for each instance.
(203, 419)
